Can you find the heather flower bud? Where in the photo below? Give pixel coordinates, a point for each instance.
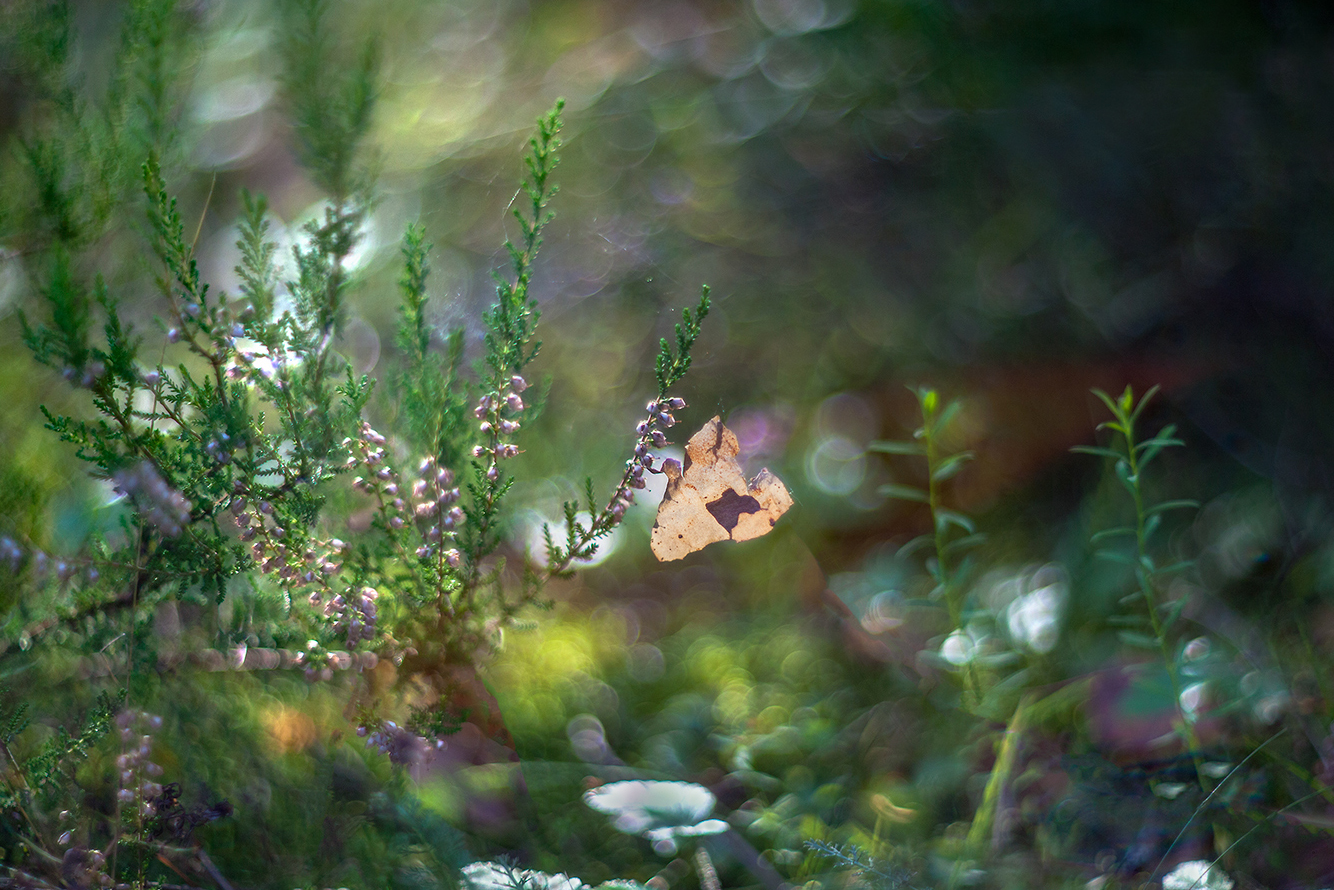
(452, 558)
(478, 451)
(518, 384)
(152, 378)
(676, 404)
(659, 439)
(492, 474)
(642, 427)
(652, 406)
(486, 427)
(666, 419)
(396, 522)
(265, 507)
(509, 426)
(444, 477)
(173, 335)
(513, 402)
(424, 510)
(419, 489)
(423, 552)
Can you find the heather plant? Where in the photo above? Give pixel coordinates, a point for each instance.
(229, 437)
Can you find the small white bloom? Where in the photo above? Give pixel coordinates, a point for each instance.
(660, 811)
(495, 876)
(1197, 874)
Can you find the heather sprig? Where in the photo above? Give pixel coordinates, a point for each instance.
(582, 540)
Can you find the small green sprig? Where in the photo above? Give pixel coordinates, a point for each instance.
(1130, 457)
(952, 531)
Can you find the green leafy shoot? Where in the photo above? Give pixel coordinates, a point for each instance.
(952, 531)
(1130, 455)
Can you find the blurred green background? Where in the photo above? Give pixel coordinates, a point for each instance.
(1010, 202)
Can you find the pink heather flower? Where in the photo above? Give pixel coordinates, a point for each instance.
(518, 384)
(513, 402)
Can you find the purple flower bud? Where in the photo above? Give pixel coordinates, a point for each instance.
(676, 404)
(191, 309)
(423, 552)
(486, 427)
(478, 451)
(444, 478)
(391, 489)
(265, 507)
(173, 335)
(396, 522)
(513, 402)
(483, 408)
(152, 378)
(642, 427)
(452, 558)
(492, 474)
(518, 384)
(419, 489)
(509, 426)
(456, 515)
(666, 419)
(659, 439)
(652, 406)
(424, 509)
